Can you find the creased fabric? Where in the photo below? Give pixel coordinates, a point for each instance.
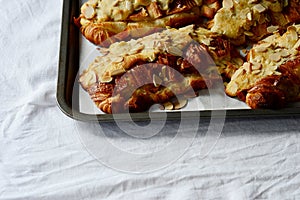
(42, 155)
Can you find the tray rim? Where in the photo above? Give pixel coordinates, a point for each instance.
(70, 6)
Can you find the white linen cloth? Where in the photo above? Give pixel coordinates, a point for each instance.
(42, 155)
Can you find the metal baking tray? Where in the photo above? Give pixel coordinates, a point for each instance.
(68, 86)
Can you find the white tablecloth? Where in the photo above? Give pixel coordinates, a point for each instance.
(42, 156)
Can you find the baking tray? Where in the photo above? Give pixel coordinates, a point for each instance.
(68, 86)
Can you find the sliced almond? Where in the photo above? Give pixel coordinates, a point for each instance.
(128, 5)
(252, 1)
(93, 2)
(103, 51)
(118, 16)
(258, 59)
(137, 49)
(237, 73)
(168, 106)
(275, 57)
(228, 4)
(232, 88)
(272, 29)
(294, 51)
(256, 66)
(117, 59)
(268, 73)
(248, 33)
(88, 79)
(249, 16)
(117, 72)
(261, 48)
(174, 51)
(243, 16)
(247, 67)
(206, 41)
(115, 3)
(156, 80)
(256, 72)
(180, 104)
(106, 79)
(277, 73)
(88, 12)
(259, 8)
(284, 53)
(132, 51)
(293, 35)
(297, 45)
(273, 67)
(291, 28)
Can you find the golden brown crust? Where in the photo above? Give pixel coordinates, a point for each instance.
(292, 12)
(276, 91)
(266, 95)
(97, 35)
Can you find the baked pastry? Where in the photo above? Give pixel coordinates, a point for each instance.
(254, 19)
(289, 15)
(101, 19)
(158, 68)
(271, 76)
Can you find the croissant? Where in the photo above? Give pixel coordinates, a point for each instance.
(101, 19)
(163, 67)
(271, 76)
